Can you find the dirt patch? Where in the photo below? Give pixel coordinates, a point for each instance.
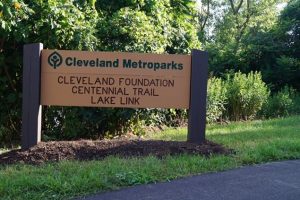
(95, 150)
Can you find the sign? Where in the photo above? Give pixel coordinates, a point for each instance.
(115, 79)
(112, 79)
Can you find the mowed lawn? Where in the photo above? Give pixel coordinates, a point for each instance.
(254, 142)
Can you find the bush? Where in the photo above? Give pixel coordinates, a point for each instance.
(246, 94)
(281, 104)
(216, 99)
(73, 123)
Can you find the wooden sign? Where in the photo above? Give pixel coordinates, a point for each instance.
(107, 79)
(112, 79)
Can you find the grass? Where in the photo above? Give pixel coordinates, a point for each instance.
(254, 142)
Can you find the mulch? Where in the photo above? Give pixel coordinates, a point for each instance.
(99, 149)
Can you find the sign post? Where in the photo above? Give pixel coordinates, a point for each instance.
(197, 109)
(31, 107)
(112, 79)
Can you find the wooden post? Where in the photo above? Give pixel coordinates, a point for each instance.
(197, 109)
(31, 108)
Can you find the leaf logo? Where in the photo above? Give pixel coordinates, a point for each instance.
(55, 59)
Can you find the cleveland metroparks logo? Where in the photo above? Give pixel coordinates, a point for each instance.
(55, 60)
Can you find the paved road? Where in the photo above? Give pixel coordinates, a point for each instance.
(272, 181)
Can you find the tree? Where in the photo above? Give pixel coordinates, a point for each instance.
(279, 49)
(229, 45)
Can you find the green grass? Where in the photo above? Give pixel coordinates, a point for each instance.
(254, 142)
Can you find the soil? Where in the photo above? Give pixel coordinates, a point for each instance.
(96, 150)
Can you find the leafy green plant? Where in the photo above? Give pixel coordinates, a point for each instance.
(283, 103)
(246, 94)
(13, 30)
(71, 26)
(216, 99)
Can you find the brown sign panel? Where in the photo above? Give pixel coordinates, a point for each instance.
(106, 79)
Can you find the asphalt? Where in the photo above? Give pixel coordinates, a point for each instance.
(271, 181)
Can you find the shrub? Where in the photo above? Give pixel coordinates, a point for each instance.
(216, 99)
(73, 123)
(282, 103)
(246, 94)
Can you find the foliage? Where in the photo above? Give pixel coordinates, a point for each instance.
(236, 22)
(238, 97)
(70, 26)
(285, 70)
(281, 47)
(13, 16)
(148, 26)
(246, 94)
(281, 104)
(216, 99)
(74, 123)
(258, 38)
